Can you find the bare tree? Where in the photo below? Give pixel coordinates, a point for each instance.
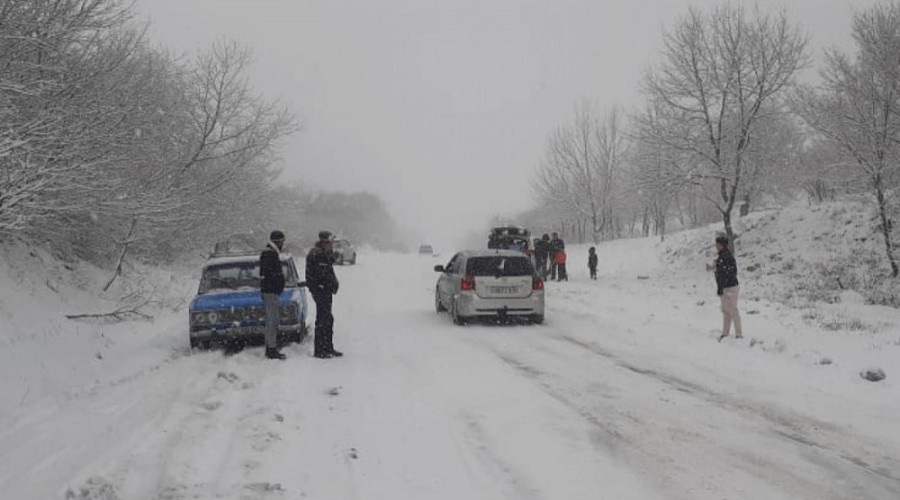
(656, 188)
(858, 110)
(579, 172)
(49, 154)
(227, 121)
(108, 146)
(773, 161)
(722, 72)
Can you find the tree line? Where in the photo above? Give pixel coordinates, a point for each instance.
(726, 126)
(110, 146)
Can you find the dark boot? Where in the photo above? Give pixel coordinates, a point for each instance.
(272, 353)
(336, 354)
(323, 355)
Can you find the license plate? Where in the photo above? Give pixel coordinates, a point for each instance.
(245, 330)
(504, 289)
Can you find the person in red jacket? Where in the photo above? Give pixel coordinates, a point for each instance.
(559, 260)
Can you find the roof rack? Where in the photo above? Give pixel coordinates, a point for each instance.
(236, 245)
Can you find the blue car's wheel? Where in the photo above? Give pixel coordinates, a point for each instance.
(198, 344)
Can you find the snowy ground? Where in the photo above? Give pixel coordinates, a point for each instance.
(623, 393)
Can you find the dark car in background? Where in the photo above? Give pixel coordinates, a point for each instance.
(344, 252)
(228, 307)
(509, 238)
(426, 249)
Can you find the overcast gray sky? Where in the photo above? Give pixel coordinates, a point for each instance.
(443, 107)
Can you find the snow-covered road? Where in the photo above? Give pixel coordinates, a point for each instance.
(623, 393)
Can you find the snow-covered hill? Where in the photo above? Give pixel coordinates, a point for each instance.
(801, 255)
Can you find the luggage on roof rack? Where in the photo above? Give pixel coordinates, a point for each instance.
(509, 238)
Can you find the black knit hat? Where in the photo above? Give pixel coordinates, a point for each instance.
(276, 235)
(722, 240)
(325, 235)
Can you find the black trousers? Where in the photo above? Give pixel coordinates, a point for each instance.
(324, 331)
(541, 264)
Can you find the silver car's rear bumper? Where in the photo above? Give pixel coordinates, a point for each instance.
(469, 304)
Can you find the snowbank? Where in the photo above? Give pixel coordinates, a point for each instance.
(43, 354)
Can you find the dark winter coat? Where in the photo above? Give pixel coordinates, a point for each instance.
(726, 270)
(270, 271)
(542, 250)
(592, 261)
(320, 277)
(557, 245)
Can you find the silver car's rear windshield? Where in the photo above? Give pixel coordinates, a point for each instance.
(238, 276)
(499, 266)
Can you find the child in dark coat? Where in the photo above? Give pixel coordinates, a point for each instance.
(592, 262)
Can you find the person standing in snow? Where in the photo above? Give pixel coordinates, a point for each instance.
(592, 262)
(559, 261)
(540, 257)
(544, 251)
(727, 283)
(271, 285)
(323, 285)
(556, 245)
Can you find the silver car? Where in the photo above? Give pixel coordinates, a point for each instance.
(344, 252)
(489, 284)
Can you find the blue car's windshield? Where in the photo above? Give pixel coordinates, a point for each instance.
(239, 276)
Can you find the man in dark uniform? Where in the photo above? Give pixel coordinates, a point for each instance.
(323, 285)
(271, 285)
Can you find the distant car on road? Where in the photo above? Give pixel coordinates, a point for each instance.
(426, 250)
(344, 252)
(228, 307)
(489, 284)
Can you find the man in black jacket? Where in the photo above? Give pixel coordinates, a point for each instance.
(323, 285)
(271, 285)
(542, 255)
(727, 283)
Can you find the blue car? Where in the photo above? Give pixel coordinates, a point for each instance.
(228, 307)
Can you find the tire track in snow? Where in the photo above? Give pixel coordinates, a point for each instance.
(187, 449)
(101, 434)
(521, 487)
(226, 439)
(612, 438)
(802, 430)
(609, 438)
